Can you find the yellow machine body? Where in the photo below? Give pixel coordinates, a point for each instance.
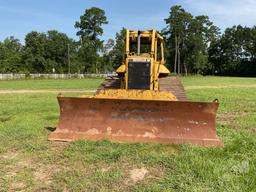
(142, 47)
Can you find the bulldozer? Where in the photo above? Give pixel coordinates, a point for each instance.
(142, 103)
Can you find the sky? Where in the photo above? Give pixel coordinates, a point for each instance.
(19, 17)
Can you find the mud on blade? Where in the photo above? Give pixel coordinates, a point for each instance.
(137, 121)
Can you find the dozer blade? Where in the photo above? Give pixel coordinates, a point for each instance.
(145, 121)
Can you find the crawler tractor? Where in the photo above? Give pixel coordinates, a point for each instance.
(143, 103)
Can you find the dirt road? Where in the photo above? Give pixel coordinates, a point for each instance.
(22, 91)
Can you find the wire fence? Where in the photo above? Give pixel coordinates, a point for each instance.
(51, 76)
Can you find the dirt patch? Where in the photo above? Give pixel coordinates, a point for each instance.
(17, 186)
(58, 145)
(137, 175)
(44, 91)
(103, 170)
(229, 117)
(143, 175)
(10, 155)
(218, 86)
(42, 173)
(25, 163)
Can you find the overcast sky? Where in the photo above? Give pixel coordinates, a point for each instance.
(18, 17)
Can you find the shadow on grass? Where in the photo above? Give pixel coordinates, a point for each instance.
(51, 129)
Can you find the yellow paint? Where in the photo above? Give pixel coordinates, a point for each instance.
(155, 56)
(136, 95)
(163, 70)
(121, 69)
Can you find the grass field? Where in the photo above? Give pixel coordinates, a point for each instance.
(28, 162)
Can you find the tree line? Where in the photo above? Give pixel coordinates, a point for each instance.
(193, 45)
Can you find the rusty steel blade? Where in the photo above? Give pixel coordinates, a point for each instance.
(146, 121)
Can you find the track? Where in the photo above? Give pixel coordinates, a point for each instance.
(111, 82)
(172, 84)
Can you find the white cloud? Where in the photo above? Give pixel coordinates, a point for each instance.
(225, 13)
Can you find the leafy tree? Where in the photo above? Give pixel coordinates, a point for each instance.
(117, 54)
(11, 56)
(187, 40)
(35, 50)
(234, 52)
(90, 23)
(48, 52)
(200, 34)
(175, 33)
(57, 46)
(90, 29)
(88, 55)
(106, 57)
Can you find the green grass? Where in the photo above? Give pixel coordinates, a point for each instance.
(49, 84)
(29, 162)
(218, 81)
